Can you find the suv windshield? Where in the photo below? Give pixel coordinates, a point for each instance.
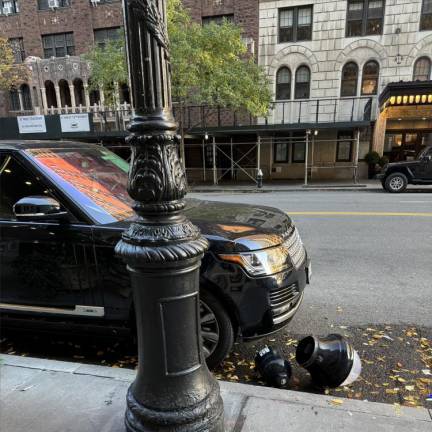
(94, 178)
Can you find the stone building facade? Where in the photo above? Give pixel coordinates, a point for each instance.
(350, 51)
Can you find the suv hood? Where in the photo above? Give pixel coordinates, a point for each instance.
(235, 227)
(403, 164)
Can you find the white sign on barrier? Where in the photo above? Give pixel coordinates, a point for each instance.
(75, 123)
(31, 124)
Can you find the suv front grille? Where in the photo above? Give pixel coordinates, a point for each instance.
(295, 248)
(283, 299)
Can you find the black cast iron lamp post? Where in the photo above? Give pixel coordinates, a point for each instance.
(173, 390)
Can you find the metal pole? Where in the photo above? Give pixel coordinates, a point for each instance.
(259, 152)
(215, 181)
(312, 155)
(356, 156)
(306, 158)
(232, 158)
(204, 160)
(173, 389)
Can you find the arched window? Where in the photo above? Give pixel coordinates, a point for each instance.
(79, 92)
(65, 96)
(50, 94)
(370, 78)
(302, 83)
(124, 94)
(283, 83)
(14, 100)
(349, 79)
(27, 102)
(422, 69)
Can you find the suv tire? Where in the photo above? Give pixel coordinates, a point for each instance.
(396, 183)
(216, 322)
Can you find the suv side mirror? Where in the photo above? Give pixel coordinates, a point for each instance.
(38, 209)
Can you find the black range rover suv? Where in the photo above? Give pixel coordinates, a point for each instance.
(63, 208)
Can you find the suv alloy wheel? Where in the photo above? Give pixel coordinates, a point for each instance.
(396, 183)
(217, 331)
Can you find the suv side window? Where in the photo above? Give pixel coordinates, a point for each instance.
(16, 182)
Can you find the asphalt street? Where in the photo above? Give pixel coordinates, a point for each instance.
(372, 282)
(371, 255)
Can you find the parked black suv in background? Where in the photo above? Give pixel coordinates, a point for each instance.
(396, 176)
(63, 208)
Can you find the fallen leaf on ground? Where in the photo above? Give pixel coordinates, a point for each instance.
(336, 402)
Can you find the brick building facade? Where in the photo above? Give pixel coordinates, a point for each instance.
(51, 35)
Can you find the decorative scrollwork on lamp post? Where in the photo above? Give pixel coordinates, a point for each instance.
(173, 390)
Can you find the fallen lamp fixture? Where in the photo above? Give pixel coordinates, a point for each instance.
(274, 370)
(331, 360)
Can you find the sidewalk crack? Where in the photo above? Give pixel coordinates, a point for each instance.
(241, 417)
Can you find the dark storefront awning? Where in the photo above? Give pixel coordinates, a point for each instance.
(406, 93)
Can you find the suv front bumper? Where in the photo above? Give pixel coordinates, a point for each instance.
(261, 305)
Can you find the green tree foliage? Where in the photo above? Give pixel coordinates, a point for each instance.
(11, 74)
(108, 66)
(210, 65)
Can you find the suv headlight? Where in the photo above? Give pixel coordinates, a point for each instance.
(291, 253)
(260, 263)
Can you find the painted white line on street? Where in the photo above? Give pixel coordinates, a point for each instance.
(415, 202)
(355, 213)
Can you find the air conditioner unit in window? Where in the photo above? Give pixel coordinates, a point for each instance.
(53, 4)
(7, 9)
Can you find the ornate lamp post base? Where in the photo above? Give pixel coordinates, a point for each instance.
(173, 390)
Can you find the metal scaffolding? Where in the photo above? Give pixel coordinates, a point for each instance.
(220, 159)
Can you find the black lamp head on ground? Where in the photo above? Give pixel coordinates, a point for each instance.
(330, 360)
(274, 370)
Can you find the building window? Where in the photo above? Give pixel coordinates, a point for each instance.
(344, 147)
(26, 97)
(17, 46)
(53, 4)
(422, 69)
(426, 15)
(9, 7)
(101, 36)
(14, 100)
(217, 19)
(302, 83)
(283, 84)
(349, 79)
(96, 2)
(295, 24)
(370, 78)
(298, 148)
(364, 17)
(58, 45)
(280, 152)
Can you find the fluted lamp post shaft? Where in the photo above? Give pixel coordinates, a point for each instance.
(173, 390)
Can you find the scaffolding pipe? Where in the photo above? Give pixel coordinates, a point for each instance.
(356, 157)
(204, 159)
(306, 158)
(232, 159)
(215, 180)
(258, 153)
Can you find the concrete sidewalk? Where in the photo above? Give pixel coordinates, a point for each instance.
(250, 187)
(51, 396)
